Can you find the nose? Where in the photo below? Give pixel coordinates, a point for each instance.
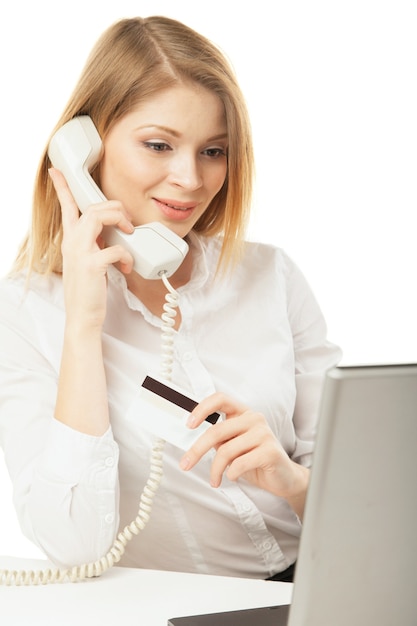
(186, 172)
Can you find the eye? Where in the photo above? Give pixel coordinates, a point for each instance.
(157, 146)
(214, 153)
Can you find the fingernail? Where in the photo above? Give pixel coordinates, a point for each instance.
(191, 421)
(185, 463)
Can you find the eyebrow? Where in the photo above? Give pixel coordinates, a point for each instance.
(174, 133)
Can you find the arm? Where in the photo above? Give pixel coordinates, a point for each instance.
(65, 483)
(313, 356)
(245, 445)
(82, 392)
(64, 470)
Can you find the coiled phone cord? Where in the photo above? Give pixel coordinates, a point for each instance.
(113, 556)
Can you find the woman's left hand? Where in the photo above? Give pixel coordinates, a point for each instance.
(246, 448)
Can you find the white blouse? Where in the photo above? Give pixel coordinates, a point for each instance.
(256, 334)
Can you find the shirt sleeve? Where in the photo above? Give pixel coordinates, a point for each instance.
(314, 354)
(65, 483)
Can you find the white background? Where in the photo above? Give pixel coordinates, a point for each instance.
(331, 89)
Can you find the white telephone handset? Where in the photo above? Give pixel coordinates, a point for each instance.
(74, 150)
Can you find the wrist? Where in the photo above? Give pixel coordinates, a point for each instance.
(83, 330)
(296, 496)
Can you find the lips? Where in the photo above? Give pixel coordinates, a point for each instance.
(174, 204)
(175, 210)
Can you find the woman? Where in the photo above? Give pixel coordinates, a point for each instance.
(80, 330)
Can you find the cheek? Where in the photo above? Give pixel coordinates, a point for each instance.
(119, 175)
(108, 175)
(218, 177)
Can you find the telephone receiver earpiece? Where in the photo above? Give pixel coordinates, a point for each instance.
(74, 150)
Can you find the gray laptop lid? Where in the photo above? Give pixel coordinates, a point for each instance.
(357, 563)
(358, 555)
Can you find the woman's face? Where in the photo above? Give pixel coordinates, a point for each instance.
(166, 159)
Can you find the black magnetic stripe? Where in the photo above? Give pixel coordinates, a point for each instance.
(175, 397)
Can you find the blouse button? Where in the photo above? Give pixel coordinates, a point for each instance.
(109, 518)
(109, 462)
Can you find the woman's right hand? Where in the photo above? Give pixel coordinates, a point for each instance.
(85, 260)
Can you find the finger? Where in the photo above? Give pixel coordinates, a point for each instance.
(95, 215)
(69, 208)
(109, 213)
(217, 402)
(117, 255)
(231, 439)
(229, 454)
(211, 438)
(254, 442)
(258, 457)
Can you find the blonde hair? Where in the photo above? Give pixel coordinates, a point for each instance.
(134, 59)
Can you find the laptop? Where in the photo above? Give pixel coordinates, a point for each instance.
(357, 562)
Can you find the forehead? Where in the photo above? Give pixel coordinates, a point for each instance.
(183, 106)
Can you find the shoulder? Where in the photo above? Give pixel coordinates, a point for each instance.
(20, 292)
(266, 253)
(270, 263)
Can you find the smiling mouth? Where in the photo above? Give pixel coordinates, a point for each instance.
(177, 207)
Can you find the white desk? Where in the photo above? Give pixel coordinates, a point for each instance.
(130, 597)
